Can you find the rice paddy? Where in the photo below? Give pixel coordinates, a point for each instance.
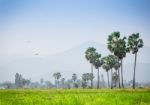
(75, 97)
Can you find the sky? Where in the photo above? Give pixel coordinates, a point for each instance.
(52, 26)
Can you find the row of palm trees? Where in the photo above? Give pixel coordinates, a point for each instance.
(118, 47)
(57, 76)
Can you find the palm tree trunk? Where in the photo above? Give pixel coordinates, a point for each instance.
(111, 80)
(119, 77)
(115, 79)
(57, 83)
(92, 73)
(98, 79)
(134, 71)
(108, 79)
(73, 83)
(122, 73)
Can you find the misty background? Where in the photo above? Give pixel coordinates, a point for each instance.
(38, 38)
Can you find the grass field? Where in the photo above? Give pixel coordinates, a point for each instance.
(75, 97)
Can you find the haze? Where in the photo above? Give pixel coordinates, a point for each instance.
(33, 32)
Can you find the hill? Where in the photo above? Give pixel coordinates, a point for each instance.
(72, 61)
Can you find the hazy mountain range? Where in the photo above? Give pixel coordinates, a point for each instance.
(68, 62)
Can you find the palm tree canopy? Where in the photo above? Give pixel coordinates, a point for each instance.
(91, 76)
(105, 64)
(134, 43)
(117, 45)
(74, 77)
(90, 54)
(57, 75)
(109, 62)
(117, 65)
(62, 80)
(87, 76)
(106, 67)
(97, 62)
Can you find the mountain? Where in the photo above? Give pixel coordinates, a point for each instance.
(72, 61)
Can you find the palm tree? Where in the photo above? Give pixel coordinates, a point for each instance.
(112, 61)
(85, 78)
(90, 76)
(90, 56)
(97, 65)
(116, 67)
(108, 63)
(117, 46)
(57, 76)
(74, 78)
(63, 82)
(107, 67)
(134, 44)
(115, 78)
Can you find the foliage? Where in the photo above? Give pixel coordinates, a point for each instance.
(20, 81)
(90, 54)
(134, 43)
(117, 45)
(74, 77)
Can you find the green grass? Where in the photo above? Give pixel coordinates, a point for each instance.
(75, 97)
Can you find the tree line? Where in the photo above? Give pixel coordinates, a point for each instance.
(118, 47)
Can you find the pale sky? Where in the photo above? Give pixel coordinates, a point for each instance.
(52, 26)
(47, 27)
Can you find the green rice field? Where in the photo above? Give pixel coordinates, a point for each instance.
(75, 97)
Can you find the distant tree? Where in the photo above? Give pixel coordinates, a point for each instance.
(63, 82)
(7, 84)
(79, 83)
(117, 46)
(85, 78)
(112, 61)
(84, 84)
(116, 67)
(97, 65)
(41, 81)
(57, 76)
(74, 78)
(108, 64)
(24, 81)
(89, 55)
(90, 76)
(115, 78)
(18, 80)
(134, 44)
(107, 68)
(76, 85)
